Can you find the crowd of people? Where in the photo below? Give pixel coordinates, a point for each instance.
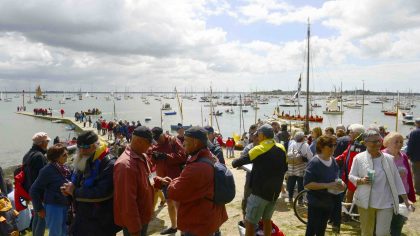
(43, 111)
(104, 191)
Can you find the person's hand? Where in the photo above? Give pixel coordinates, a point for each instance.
(41, 213)
(410, 206)
(68, 188)
(340, 185)
(165, 181)
(364, 180)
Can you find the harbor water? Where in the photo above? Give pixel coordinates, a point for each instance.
(16, 130)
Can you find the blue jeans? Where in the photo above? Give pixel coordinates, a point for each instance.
(38, 225)
(55, 217)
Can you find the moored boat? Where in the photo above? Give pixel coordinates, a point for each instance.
(170, 113)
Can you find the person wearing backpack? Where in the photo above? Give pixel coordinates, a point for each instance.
(46, 195)
(194, 189)
(33, 161)
(268, 170)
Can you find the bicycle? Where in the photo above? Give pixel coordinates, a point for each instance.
(300, 207)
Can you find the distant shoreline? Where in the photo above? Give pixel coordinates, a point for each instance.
(206, 93)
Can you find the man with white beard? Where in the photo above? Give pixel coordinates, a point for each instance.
(91, 187)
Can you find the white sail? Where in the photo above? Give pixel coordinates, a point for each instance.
(333, 105)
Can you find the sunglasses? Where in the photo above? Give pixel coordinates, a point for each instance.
(83, 146)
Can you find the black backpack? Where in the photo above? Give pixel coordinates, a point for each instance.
(224, 183)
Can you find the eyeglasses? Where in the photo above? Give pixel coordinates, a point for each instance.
(83, 146)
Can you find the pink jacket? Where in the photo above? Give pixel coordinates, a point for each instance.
(411, 193)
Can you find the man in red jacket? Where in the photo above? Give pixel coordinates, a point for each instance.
(133, 183)
(346, 158)
(193, 189)
(169, 156)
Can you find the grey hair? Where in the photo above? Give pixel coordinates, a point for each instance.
(299, 136)
(357, 128)
(374, 126)
(370, 133)
(340, 126)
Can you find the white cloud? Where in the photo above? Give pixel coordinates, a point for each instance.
(159, 44)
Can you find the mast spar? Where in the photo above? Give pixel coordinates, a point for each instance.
(307, 85)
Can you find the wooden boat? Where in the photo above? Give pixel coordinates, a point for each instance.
(301, 118)
(392, 113)
(91, 113)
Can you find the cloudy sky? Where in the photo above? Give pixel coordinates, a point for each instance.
(233, 45)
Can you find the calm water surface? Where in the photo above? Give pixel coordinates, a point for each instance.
(16, 130)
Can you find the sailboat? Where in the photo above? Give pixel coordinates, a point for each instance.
(175, 127)
(294, 100)
(333, 108)
(6, 99)
(38, 93)
(30, 100)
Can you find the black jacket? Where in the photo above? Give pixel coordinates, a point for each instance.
(413, 147)
(94, 202)
(216, 150)
(267, 173)
(33, 161)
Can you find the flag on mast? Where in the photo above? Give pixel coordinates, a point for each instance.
(299, 87)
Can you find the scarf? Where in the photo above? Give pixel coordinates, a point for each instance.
(63, 169)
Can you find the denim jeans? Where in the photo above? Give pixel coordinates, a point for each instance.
(38, 225)
(55, 218)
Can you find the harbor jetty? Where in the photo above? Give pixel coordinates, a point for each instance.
(78, 126)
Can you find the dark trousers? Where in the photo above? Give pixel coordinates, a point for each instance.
(291, 182)
(317, 220)
(416, 173)
(397, 224)
(336, 211)
(143, 231)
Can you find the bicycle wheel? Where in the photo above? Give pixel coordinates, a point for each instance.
(300, 206)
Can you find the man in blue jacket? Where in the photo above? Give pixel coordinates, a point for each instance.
(213, 145)
(92, 188)
(413, 151)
